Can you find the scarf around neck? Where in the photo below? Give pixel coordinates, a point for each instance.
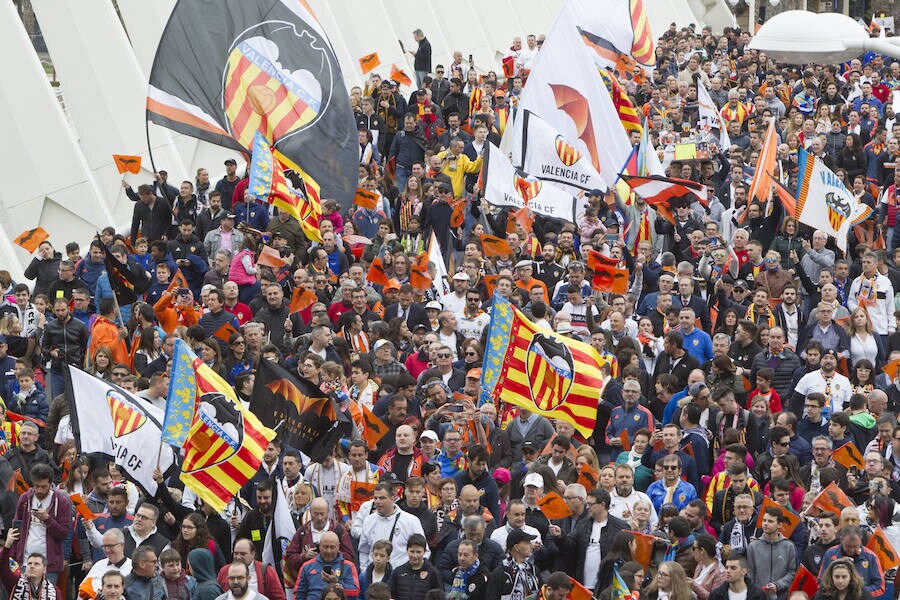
(458, 590)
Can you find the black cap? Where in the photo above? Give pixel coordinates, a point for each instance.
(517, 535)
(230, 161)
(727, 279)
(228, 216)
(390, 477)
(443, 187)
(421, 92)
(529, 445)
(595, 192)
(829, 351)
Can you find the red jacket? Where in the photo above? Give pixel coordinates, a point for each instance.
(295, 553)
(269, 586)
(58, 526)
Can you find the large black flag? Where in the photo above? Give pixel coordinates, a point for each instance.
(312, 422)
(225, 69)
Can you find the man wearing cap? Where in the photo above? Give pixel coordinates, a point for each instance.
(472, 323)
(228, 183)
(836, 388)
(516, 578)
(528, 426)
(455, 301)
(525, 281)
(501, 110)
(287, 226)
(385, 365)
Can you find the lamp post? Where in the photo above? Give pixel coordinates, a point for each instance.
(800, 37)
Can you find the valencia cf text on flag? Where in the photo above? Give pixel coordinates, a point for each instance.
(222, 75)
(310, 419)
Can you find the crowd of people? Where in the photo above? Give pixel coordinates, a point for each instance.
(746, 350)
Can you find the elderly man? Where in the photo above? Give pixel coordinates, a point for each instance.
(472, 529)
(114, 549)
(144, 581)
(307, 538)
(327, 568)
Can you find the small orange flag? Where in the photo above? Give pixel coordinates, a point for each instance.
(490, 282)
(270, 257)
(831, 499)
(81, 506)
(30, 239)
(399, 76)
(804, 581)
(126, 163)
(360, 491)
(588, 476)
(524, 217)
(553, 506)
(458, 216)
(789, 519)
(883, 549)
(643, 551)
(596, 260)
(369, 62)
(178, 281)
(610, 279)
(20, 486)
(891, 369)
(579, 592)
(376, 273)
(225, 332)
(375, 429)
(491, 245)
(302, 299)
(626, 443)
(366, 199)
(419, 277)
(848, 456)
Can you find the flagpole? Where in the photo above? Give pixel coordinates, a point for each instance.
(149, 148)
(159, 454)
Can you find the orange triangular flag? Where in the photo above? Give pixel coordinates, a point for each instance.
(626, 443)
(848, 456)
(491, 245)
(225, 332)
(883, 549)
(458, 216)
(270, 257)
(82, 507)
(865, 233)
(831, 499)
(30, 239)
(21, 485)
(399, 76)
(419, 277)
(366, 199)
(524, 217)
(302, 299)
(804, 581)
(610, 279)
(789, 521)
(553, 506)
(126, 163)
(596, 260)
(369, 62)
(588, 476)
(375, 429)
(643, 551)
(376, 273)
(178, 281)
(360, 491)
(579, 592)
(765, 166)
(890, 369)
(490, 282)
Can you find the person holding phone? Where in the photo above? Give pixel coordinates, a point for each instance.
(328, 568)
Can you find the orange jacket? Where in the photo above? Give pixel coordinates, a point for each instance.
(171, 316)
(106, 333)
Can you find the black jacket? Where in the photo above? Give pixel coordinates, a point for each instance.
(412, 584)
(576, 543)
(489, 553)
(422, 60)
(151, 222)
(253, 527)
(416, 316)
(44, 272)
(70, 338)
(753, 591)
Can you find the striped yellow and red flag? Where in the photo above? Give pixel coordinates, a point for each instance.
(540, 370)
(125, 419)
(628, 114)
(225, 444)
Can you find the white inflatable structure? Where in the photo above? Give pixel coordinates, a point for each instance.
(58, 171)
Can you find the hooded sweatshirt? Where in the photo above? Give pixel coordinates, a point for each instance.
(203, 570)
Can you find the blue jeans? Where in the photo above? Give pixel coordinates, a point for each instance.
(57, 382)
(402, 175)
(420, 75)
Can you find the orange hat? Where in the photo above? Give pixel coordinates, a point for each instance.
(474, 374)
(393, 284)
(499, 92)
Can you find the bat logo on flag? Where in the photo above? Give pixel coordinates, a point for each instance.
(567, 153)
(551, 370)
(222, 432)
(573, 103)
(838, 210)
(125, 418)
(262, 92)
(528, 187)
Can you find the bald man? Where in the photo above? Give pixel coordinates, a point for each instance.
(405, 459)
(303, 545)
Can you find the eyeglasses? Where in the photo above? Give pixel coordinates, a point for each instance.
(670, 467)
(120, 373)
(139, 516)
(188, 527)
(444, 355)
(471, 354)
(238, 343)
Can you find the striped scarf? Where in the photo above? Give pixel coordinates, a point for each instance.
(24, 591)
(458, 590)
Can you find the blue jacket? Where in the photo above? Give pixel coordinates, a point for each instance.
(88, 272)
(34, 405)
(253, 213)
(684, 493)
(622, 419)
(310, 583)
(406, 149)
(698, 344)
(867, 566)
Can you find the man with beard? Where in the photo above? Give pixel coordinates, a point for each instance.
(225, 186)
(256, 522)
(624, 496)
(827, 381)
(547, 269)
(723, 509)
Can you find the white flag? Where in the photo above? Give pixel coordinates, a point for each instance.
(439, 284)
(823, 202)
(504, 185)
(109, 420)
(710, 117)
(549, 156)
(281, 530)
(566, 90)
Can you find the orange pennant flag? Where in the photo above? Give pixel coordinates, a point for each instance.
(178, 281)
(610, 279)
(419, 277)
(126, 163)
(375, 429)
(491, 245)
(597, 260)
(360, 491)
(399, 76)
(891, 369)
(524, 217)
(626, 443)
(804, 581)
(765, 166)
(30, 239)
(376, 273)
(553, 506)
(789, 520)
(20, 485)
(579, 592)
(225, 332)
(831, 499)
(81, 506)
(302, 299)
(458, 216)
(848, 456)
(270, 257)
(643, 551)
(588, 476)
(883, 549)
(369, 62)
(366, 199)
(490, 282)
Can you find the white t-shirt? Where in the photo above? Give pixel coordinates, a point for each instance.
(592, 556)
(737, 595)
(37, 530)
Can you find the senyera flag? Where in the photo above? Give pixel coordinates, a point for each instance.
(540, 370)
(660, 192)
(263, 65)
